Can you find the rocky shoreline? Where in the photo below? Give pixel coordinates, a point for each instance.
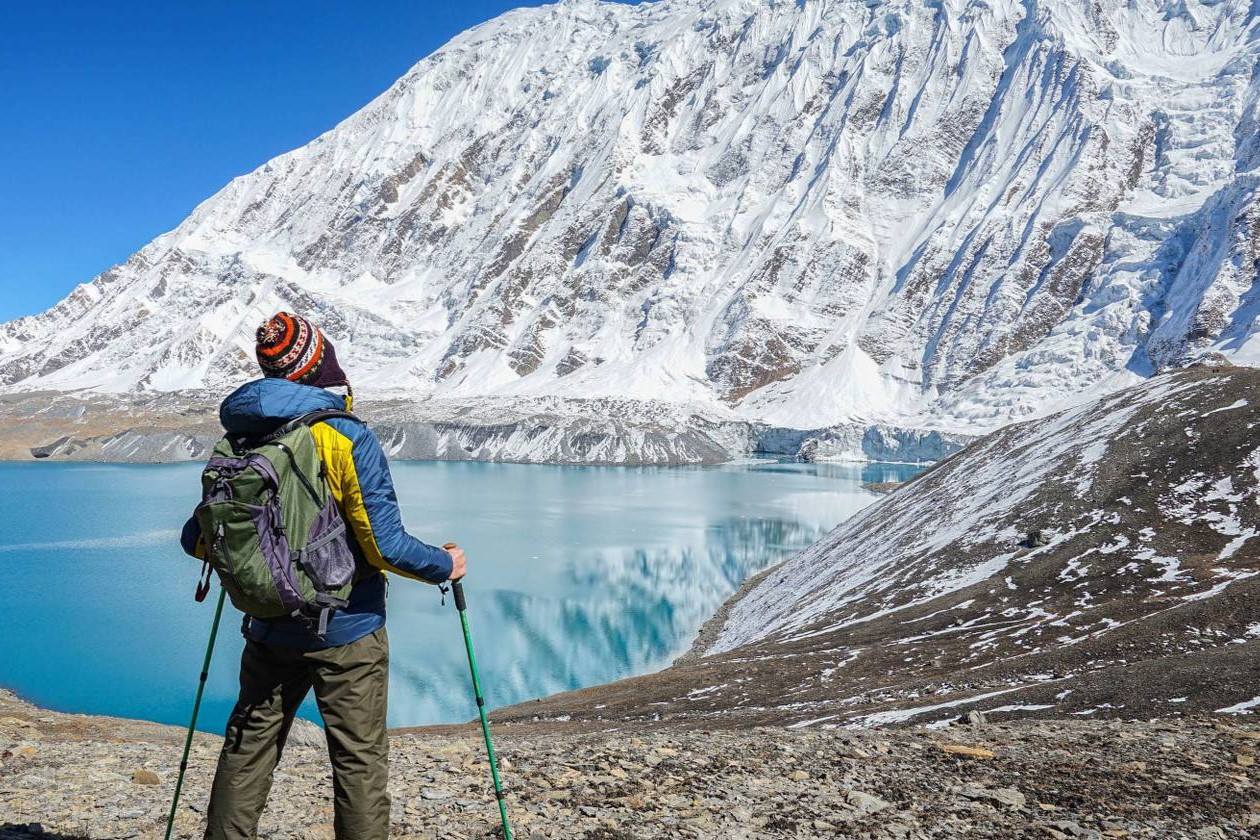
(76, 776)
(183, 426)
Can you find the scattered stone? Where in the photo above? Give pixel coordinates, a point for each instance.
(14, 723)
(145, 777)
(1035, 539)
(304, 733)
(1002, 796)
(968, 752)
(1245, 760)
(22, 751)
(1009, 796)
(865, 803)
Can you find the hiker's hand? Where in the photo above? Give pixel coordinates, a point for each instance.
(459, 564)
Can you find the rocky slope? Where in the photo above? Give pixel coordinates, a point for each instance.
(896, 214)
(70, 776)
(1101, 562)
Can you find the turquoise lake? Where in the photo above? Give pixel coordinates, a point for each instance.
(577, 576)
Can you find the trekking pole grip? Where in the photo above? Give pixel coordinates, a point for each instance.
(457, 585)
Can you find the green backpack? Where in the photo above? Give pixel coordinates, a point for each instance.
(271, 527)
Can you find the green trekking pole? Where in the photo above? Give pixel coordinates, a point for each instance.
(192, 724)
(457, 589)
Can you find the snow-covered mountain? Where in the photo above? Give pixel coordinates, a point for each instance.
(945, 214)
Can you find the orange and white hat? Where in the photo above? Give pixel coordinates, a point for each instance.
(289, 346)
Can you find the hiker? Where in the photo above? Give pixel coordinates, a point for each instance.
(345, 655)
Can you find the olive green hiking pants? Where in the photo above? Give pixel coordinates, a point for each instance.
(350, 683)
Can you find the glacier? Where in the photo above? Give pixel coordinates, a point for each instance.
(881, 219)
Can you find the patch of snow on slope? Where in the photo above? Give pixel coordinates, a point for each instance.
(1242, 708)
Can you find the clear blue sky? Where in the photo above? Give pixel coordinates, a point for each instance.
(117, 118)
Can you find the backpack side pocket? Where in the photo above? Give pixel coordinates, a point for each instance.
(327, 558)
(246, 545)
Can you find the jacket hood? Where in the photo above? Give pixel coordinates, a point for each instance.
(260, 406)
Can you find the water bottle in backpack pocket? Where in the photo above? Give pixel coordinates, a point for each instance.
(272, 529)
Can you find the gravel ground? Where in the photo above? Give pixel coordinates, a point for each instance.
(79, 776)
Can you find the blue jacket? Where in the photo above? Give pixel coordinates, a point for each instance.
(358, 476)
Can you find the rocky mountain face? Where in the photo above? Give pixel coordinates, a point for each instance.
(1101, 562)
(839, 215)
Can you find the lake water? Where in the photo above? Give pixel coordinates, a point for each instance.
(577, 576)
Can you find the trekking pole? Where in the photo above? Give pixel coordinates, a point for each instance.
(457, 589)
(192, 724)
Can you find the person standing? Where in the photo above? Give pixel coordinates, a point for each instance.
(284, 659)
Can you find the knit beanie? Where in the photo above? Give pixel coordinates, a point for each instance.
(291, 347)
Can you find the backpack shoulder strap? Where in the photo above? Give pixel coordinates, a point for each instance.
(309, 419)
(324, 414)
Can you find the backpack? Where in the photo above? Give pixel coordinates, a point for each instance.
(271, 527)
